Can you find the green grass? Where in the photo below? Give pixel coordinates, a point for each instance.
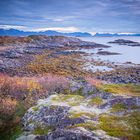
(125, 89)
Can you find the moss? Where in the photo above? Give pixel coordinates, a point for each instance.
(128, 89)
(125, 127)
(134, 122)
(95, 101)
(113, 126)
(78, 114)
(118, 107)
(35, 108)
(72, 100)
(42, 131)
(88, 125)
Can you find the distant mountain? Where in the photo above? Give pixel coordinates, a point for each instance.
(115, 34)
(105, 34)
(14, 32)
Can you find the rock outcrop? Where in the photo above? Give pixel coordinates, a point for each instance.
(74, 117)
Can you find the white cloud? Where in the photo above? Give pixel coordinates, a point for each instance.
(58, 19)
(12, 27)
(24, 28)
(59, 29)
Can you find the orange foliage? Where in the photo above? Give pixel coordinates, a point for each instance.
(28, 87)
(93, 81)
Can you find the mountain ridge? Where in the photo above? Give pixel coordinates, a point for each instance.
(16, 32)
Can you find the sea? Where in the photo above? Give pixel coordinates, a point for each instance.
(127, 53)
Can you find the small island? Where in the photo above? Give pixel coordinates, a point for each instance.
(125, 42)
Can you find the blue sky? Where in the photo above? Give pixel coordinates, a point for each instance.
(71, 15)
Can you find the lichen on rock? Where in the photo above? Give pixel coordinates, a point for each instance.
(77, 117)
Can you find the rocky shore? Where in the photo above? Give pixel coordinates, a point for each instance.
(23, 49)
(49, 89)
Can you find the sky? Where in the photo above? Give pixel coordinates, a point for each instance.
(92, 16)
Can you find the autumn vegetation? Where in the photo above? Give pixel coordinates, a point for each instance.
(17, 94)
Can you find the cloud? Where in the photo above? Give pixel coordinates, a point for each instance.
(25, 28)
(13, 27)
(59, 29)
(87, 15)
(58, 18)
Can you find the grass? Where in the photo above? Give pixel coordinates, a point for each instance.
(127, 127)
(124, 89)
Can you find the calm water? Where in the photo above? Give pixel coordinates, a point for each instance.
(127, 53)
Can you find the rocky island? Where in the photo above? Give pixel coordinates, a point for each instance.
(48, 94)
(125, 42)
